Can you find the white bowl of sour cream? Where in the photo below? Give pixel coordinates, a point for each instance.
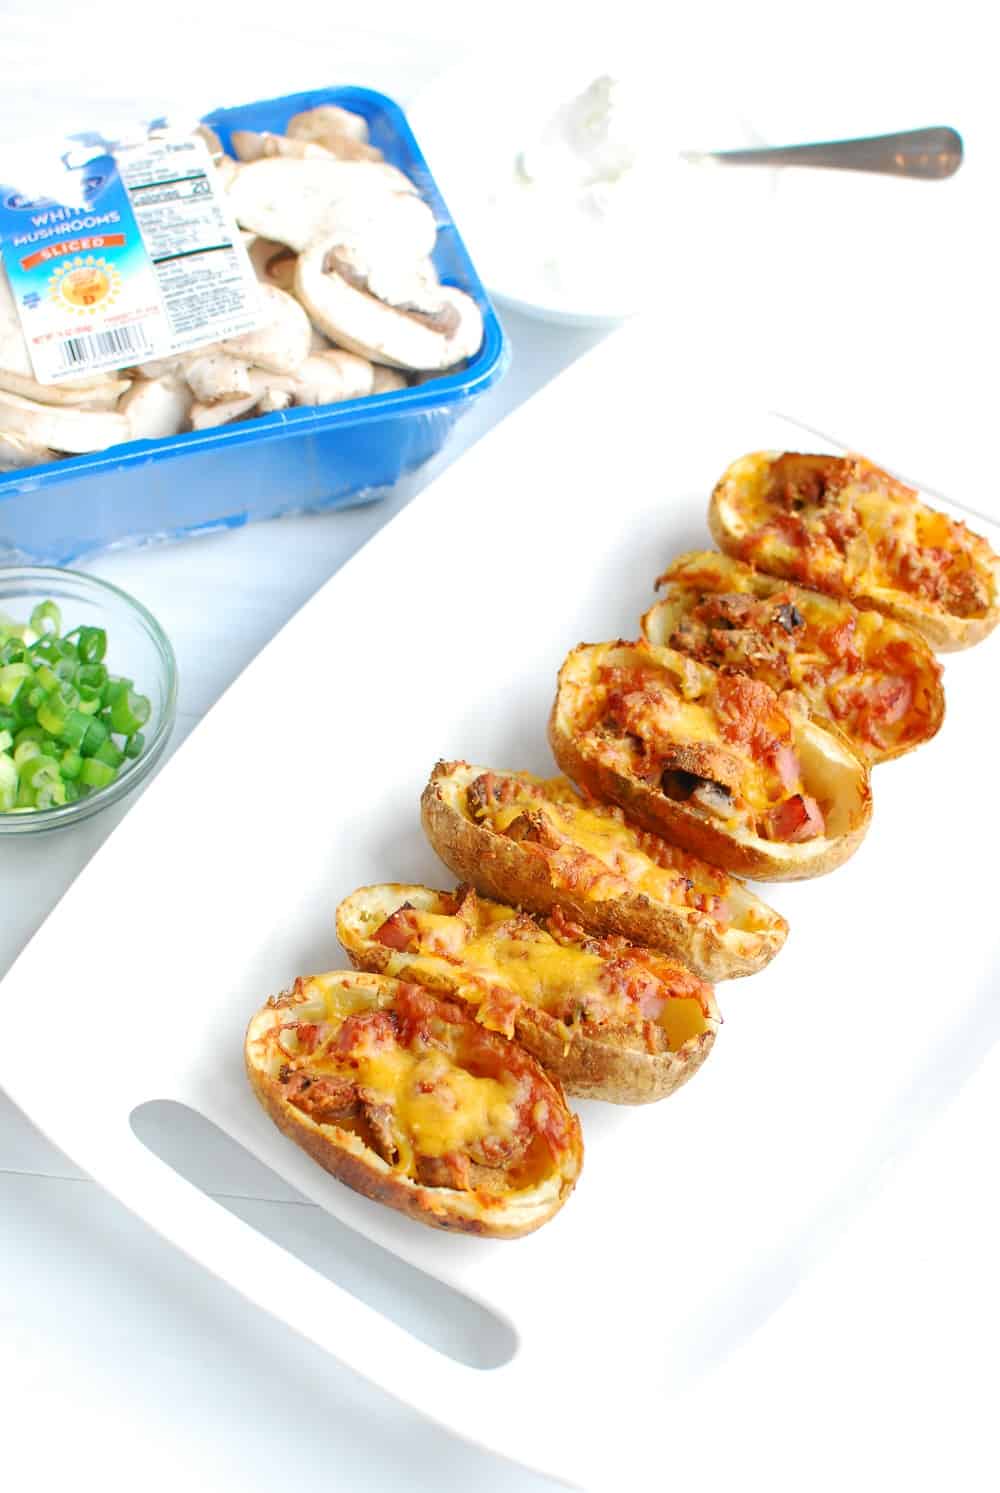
(565, 178)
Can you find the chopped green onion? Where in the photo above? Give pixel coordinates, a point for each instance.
(109, 753)
(95, 735)
(70, 764)
(26, 751)
(67, 726)
(92, 644)
(97, 774)
(46, 618)
(12, 677)
(52, 714)
(129, 713)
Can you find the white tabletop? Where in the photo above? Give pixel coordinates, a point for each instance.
(118, 1357)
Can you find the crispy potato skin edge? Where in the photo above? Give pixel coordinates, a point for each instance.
(655, 812)
(422, 1204)
(498, 868)
(944, 632)
(586, 1067)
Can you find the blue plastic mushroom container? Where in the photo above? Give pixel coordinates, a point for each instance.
(290, 462)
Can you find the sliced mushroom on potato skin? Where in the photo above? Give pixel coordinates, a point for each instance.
(360, 322)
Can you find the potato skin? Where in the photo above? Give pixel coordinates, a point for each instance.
(589, 1066)
(346, 1157)
(944, 631)
(693, 577)
(743, 854)
(500, 868)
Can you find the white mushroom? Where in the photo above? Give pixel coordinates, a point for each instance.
(329, 377)
(251, 146)
(283, 343)
(207, 416)
(155, 408)
(387, 380)
(328, 119)
(356, 320)
(273, 263)
(214, 376)
(227, 170)
(13, 348)
(16, 453)
(343, 134)
(62, 427)
(215, 147)
(300, 202)
(96, 394)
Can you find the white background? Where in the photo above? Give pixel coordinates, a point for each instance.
(867, 309)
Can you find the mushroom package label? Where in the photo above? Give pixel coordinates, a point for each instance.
(120, 252)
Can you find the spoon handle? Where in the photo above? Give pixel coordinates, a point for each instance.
(930, 154)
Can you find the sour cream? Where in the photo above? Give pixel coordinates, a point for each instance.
(580, 205)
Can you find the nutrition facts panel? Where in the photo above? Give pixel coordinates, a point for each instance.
(201, 266)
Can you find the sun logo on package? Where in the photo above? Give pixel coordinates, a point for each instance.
(83, 283)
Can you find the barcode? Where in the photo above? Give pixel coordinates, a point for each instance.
(121, 342)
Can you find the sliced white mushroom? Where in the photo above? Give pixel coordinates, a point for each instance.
(227, 170)
(283, 343)
(410, 285)
(299, 202)
(273, 263)
(15, 453)
(343, 134)
(317, 342)
(329, 377)
(162, 367)
(215, 147)
(155, 408)
(214, 376)
(63, 427)
(208, 416)
(360, 322)
(13, 348)
(328, 119)
(251, 146)
(387, 380)
(101, 394)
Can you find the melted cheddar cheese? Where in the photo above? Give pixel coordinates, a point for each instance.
(654, 716)
(874, 677)
(435, 1106)
(498, 959)
(623, 858)
(844, 526)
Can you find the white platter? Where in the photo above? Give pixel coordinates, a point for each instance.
(644, 1312)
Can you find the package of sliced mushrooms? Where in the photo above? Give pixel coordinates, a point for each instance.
(208, 322)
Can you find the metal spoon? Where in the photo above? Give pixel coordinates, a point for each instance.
(930, 154)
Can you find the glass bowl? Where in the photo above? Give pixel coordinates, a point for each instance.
(137, 647)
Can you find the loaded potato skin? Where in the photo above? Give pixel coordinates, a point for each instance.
(710, 759)
(610, 1020)
(844, 526)
(540, 844)
(403, 1097)
(873, 677)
